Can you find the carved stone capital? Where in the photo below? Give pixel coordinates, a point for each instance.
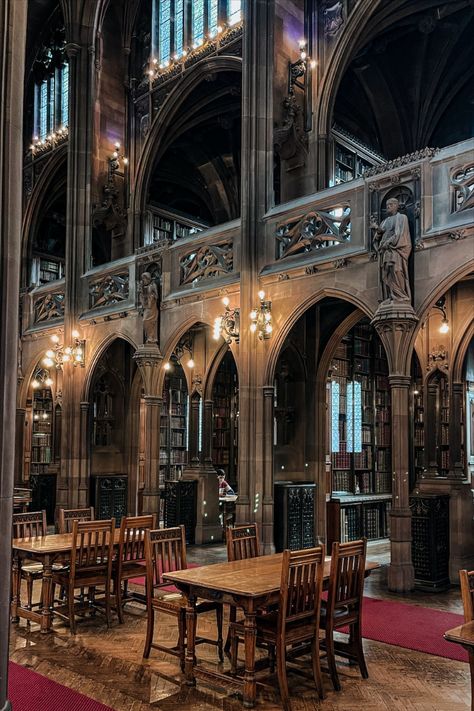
(395, 323)
(148, 358)
(72, 49)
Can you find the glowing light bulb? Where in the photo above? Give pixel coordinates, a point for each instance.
(268, 316)
(55, 338)
(48, 362)
(444, 328)
(117, 145)
(190, 363)
(253, 315)
(261, 295)
(253, 327)
(226, 301)
(219, 29)
(303, 55)
(49, 354)
(313, 64)
(268, 328)
(66, 357)
(125, 161)
(45, 416)
(48, 382)
(167, 366)
(416, 392)
(35, 384)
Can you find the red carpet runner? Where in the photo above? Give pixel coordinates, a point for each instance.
(29, 691)
(411, 626)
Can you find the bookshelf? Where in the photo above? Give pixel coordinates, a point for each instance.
(418, 427)
(173, 426)
(360, 437)
(225, 396)
(351, 158)
(42, 431)
(437, 419)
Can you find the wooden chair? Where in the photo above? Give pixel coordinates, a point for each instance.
(131, 555)
(467, 593)
(297, 618)
(92, 554)
(344, 606)
(68, 516)
(165, 551)
(242, 542)
(30, 525)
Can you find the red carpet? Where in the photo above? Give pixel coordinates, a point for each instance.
(411, 626)
(29, 691)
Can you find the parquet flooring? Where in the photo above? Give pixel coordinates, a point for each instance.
(107, 665)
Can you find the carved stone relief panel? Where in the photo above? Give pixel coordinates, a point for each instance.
(462, 180)
(207, 262)
(49, 307)
(110, 289)
(313, 230)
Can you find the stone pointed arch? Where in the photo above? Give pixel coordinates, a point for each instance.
(165, 117)
(98, 353)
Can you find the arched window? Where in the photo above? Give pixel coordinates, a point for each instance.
(51, 92)
(181, 25)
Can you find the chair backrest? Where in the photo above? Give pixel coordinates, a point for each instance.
(92, 546)
(467, 592)
(29, 524)
(67, 516)
(301, 586)
(165, 552)
(132, 537)
(242, 542)
(346, 581)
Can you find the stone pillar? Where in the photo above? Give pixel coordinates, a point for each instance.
(395, 323)
(84, 455)
(13, 15)
(148, 358)
(267, 503)
(193, 444)
(430, 431)
(19, 444)
(257, 196)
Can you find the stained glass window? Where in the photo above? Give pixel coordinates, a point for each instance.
(179, 27)
(354, 417)
(198, 22)
(234, 11)
(212, 17)
(164, 32)
(64, 118)
(334, 416)
(43, 111)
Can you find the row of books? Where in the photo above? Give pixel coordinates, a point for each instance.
(419, 437)
(382, 434)
(383, 460)
(221, 438)
(41, 455)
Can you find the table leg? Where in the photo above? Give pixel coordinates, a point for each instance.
(190, 658)
(250, 639)
(16, 586)
(46, 594)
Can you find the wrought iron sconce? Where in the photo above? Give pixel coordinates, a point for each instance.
(440, 306)
(41, 377)
(114, 161)
(185, 345)
(299, 75)
(60, 354)
(228, 324)
(261, 318)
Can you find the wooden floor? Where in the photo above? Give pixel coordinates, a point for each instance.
(107, 665)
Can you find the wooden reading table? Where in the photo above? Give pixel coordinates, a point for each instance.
(46, 550)
(251, 584)
(464, 635)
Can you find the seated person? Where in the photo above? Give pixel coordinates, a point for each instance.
(224, 488)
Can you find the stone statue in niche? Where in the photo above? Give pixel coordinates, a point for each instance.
(392, 242)
(149, 297)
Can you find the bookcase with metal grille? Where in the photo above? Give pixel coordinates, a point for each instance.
(430, 541)
(294, 515)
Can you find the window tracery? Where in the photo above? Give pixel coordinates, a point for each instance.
(51, 89)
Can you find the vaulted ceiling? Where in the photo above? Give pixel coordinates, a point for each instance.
(411, 85)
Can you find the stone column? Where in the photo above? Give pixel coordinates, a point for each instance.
(13, 15)
(267, 503)
(430, 431)
(148, 358)
(19, 444)
(257, 194)
(193, 444)
(395, 323)
(456, 469)
(84, 455)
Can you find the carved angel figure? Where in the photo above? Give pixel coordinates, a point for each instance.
(149, 297)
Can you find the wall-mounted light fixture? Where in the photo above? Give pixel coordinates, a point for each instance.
(59, 353)
(261, 318)
(184, 346)
(440, 306)
(299, 76)
(117, 160)
(228, 324)
(41, 377)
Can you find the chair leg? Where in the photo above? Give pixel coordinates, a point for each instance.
(107, 603)
(360, 651)
(281, 673)
(150, 624)
(232, 618)
(29, 592)
(118, 599)
(219, 618)
(182, 638)
(318, 677)
(234, 650)
(271, 658)
(72, 614)
(332, 660)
